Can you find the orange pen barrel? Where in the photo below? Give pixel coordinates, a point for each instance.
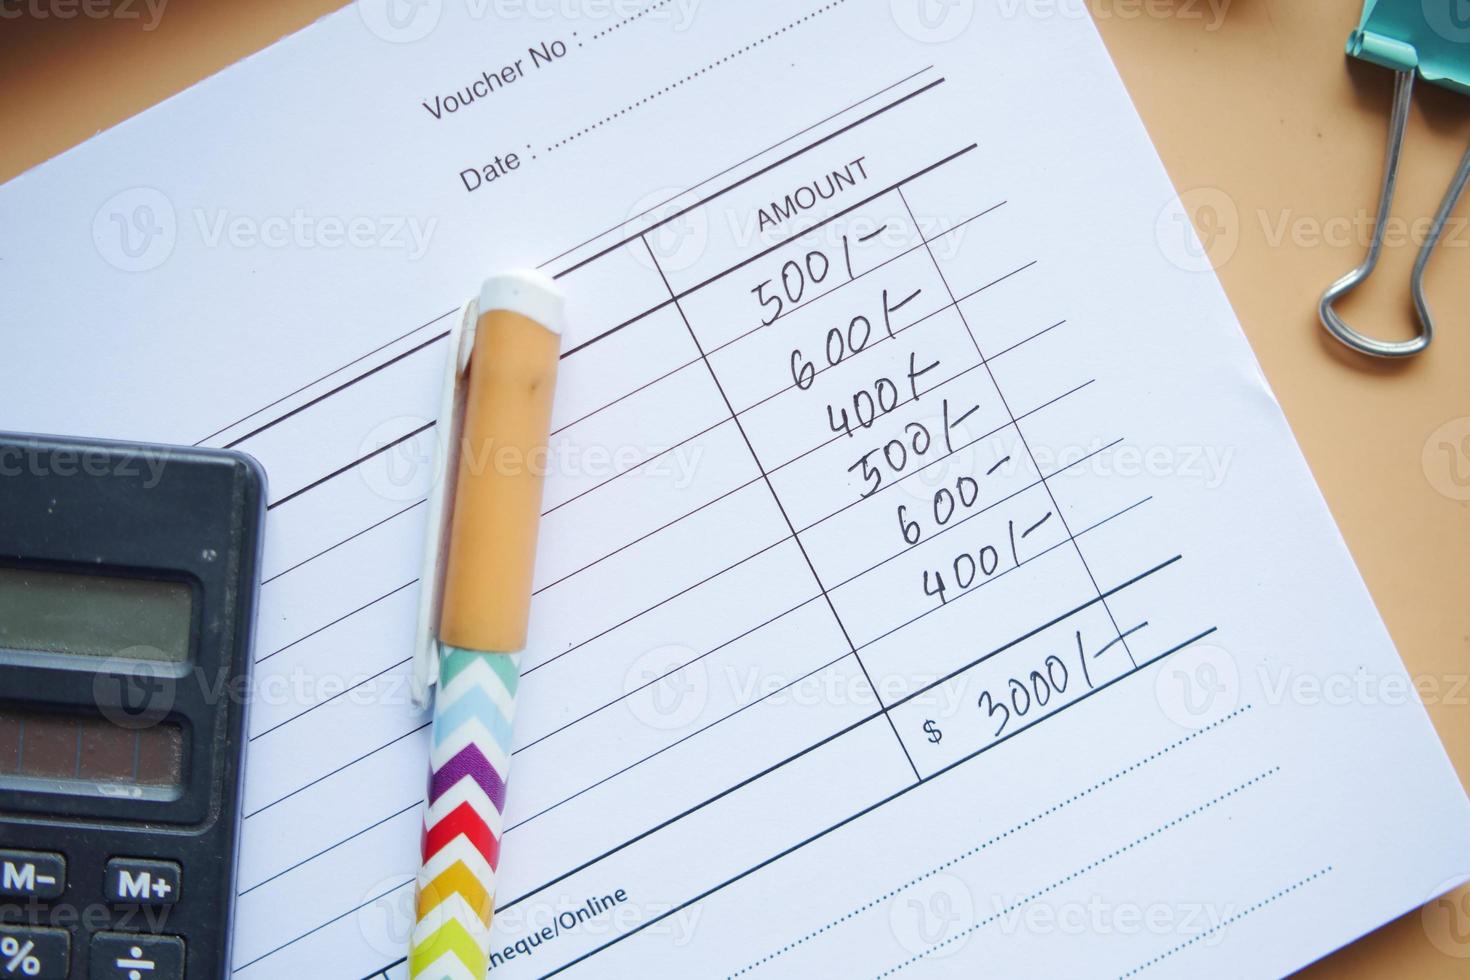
(502, 464)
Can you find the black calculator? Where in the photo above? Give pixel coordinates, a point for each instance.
(129, 575)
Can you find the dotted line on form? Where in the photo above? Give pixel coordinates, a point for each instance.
(1226, 922)
(997, 838)
(693, 75)
(1080, 871)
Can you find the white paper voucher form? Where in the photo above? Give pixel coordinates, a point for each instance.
(929, 582)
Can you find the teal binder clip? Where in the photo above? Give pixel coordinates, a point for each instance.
(1430, 39)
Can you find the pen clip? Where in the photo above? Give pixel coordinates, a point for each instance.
(440, 506)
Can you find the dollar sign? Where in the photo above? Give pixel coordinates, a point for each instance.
(931, 728)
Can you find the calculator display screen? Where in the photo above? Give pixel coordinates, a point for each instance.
(73, 614)
(86, 754)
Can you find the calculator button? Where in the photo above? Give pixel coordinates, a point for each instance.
(128, 956)
(32, 874)
(34, 954)
(133, 881)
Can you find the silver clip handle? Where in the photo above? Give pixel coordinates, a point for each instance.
(1331, 319)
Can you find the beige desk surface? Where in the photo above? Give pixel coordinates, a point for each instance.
(1259, 118)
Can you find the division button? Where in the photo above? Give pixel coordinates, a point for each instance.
(130, 956)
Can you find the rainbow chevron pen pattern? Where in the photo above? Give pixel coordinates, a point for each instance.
(468, 764)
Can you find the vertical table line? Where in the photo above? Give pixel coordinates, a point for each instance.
(1015, 424)
(734, 417)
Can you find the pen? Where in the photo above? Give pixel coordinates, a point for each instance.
(484, 510)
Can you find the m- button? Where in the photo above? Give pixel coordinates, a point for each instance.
(131, 881)
(32, 874)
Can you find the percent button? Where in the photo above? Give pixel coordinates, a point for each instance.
(34, 954)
